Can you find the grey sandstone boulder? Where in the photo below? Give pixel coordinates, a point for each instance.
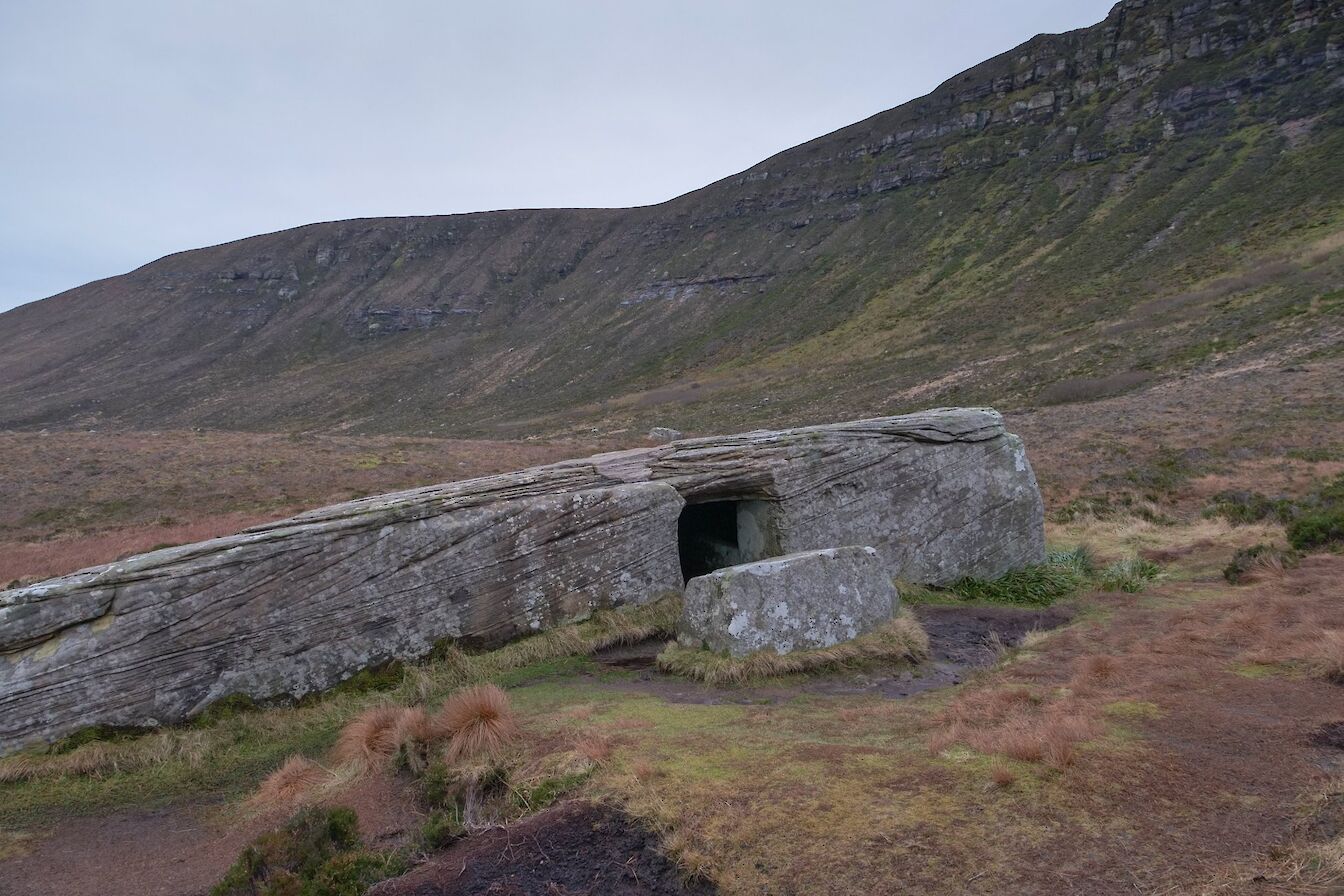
(796, 602)
(663, 434)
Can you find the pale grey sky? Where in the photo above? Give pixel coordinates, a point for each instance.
(137, 128)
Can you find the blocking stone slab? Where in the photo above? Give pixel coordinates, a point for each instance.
(795, 602)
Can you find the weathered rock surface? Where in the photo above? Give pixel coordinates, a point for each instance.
(796, 602)
(664, 434)
(296, 606)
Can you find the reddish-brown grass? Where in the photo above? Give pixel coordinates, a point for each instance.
(594, 747)
(79, 499)
(372, 736)
(475, 722)
(26, 561)
(291, 782)
(1002, 775)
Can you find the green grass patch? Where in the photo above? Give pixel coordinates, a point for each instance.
(1062, 574)
(1133, 709)
(1258, 670)
(1130, 575)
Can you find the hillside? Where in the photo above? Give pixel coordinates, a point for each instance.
(1076, 217)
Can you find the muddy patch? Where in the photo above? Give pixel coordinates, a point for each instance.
(961, 640)
(574, 848)
(1331, 735)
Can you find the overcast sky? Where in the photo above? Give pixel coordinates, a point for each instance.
(137, 128)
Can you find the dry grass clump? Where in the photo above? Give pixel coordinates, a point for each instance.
(98, 758)
(1002, 775)
(901, 640)
(476, 726)
(475, 722)
(596, 748)
(292, 782)
(1325, 655)
(370, 736)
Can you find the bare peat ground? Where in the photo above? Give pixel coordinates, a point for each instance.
(574, 849)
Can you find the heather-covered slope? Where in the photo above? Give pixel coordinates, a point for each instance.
(1078, 215)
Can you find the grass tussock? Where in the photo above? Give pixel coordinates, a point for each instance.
(1062, 574)
(1257, 562)
(476, 722)
(1130, 575)
(291, 783)
(902, 640)
(374, 734)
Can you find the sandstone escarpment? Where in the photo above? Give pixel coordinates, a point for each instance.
(1037, 193)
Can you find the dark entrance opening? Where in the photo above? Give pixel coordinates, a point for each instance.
(715, 534)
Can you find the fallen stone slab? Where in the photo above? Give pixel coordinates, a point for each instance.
(797, 602)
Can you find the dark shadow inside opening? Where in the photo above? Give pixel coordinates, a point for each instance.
(715, 534)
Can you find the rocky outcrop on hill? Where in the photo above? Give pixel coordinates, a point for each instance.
(284, 610)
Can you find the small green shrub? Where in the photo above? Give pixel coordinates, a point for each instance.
(441, 830)
(279, 861)
(1319, 529)
(440, 785)
(352, 873)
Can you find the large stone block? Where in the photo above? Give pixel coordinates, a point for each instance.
(296, 609)
(796, 602)
(296, 606)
